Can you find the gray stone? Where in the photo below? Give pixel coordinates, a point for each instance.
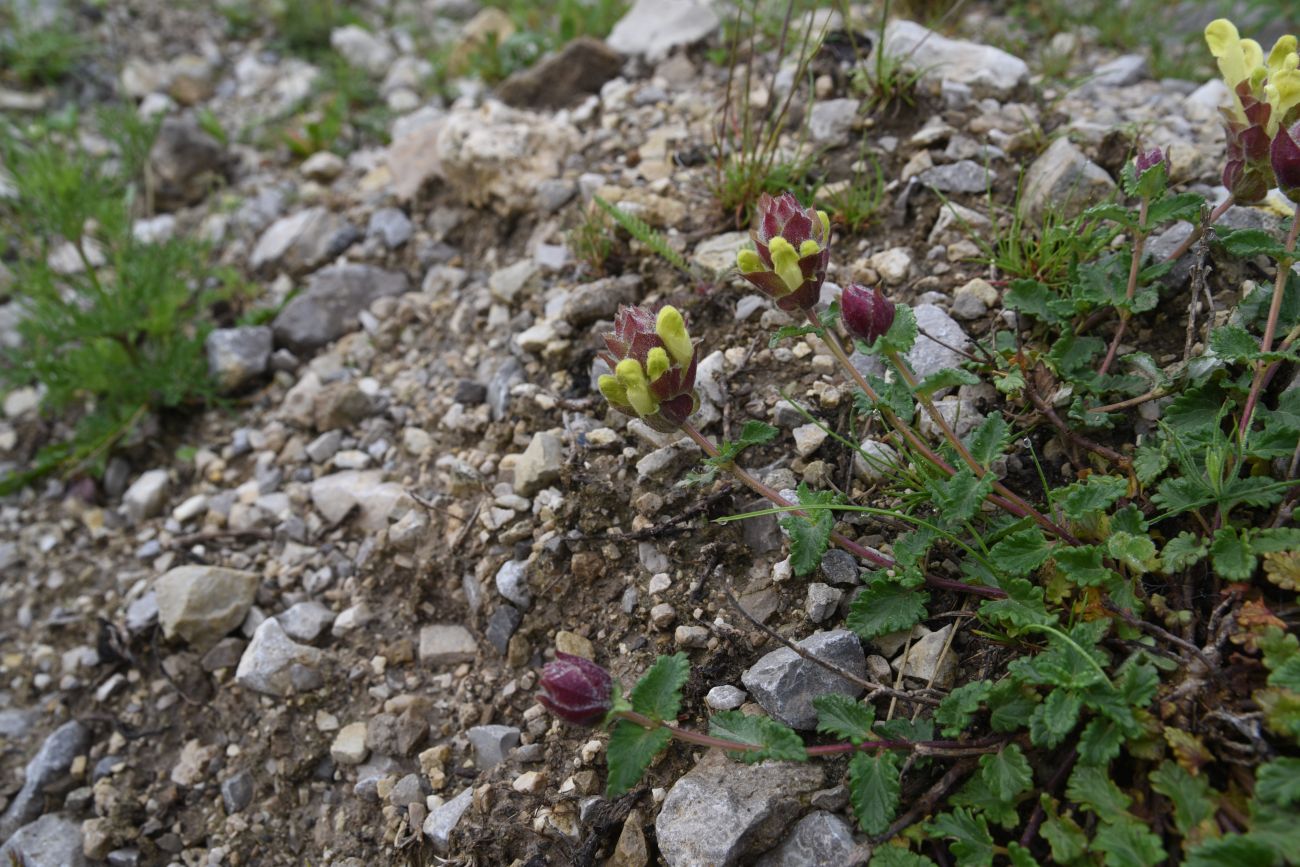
(224, 654)
(322, 166)
(142, 613)
(446, 644)
(146, 496)
(48, 767)
(186, 163)
(1121, 72)
(124, 858)
(362, 49)
(540, 464)
(964, 176)
(325, 446)
(986, 70)
(655, 27)
(267, 664)
(1064, 182)
(406, 534)
(443, 820)
(725, 697)
(237, 792)
(926, 659)
(491, 744)
(817, 839)
(808, 438)
(932, 355)
(785, 684)
(822, 601)
(875, 462)
(369, 775)
(722, 812)
(831, 121)
(335, 495)
(840, 567)
(600, 299)
(203, 603)
(512, 583)
(305, 621)
(302, 241)
(54, 840)
(390, 225)
(502, 624)
(717, 255)
(506, 284)
(332, 302)
(349, 747)
(390, 734)
(562, 78)
(237, 355)
(408, 790)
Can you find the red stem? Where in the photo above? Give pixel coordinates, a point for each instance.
(1270, 328)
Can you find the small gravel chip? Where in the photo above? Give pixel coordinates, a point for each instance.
(822, 601)
(663, 615)
(691, 636)
(726, 697)
(529, 782)
(349, 747)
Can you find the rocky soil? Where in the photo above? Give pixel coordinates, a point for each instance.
(306, 627)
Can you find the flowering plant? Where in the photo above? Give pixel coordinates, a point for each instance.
(653, 362)
(791, 252)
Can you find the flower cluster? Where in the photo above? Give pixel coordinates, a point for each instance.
(790, 252)
(653, 362)
(576, 690)
(1263, 121)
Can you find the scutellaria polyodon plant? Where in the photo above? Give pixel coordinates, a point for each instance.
(791, 252)
(653, 361)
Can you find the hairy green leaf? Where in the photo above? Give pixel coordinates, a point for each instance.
(809, 536)
(631, 750)
(1149, 461)
(1231, 555)
(954, 713)
(958, 497)
(1279, 781)
(1190, 795)
(889, 855)
(1138, 552)
(873, 789)
(1095, 493)
(885, 607)
(972, 842)
(1022, 608)
(1184, 550)
(1011, 705)
(1128, 843)
(774, 740)
(948, 377)
(1062, 833)
(658, 694)
(1247, 243)
(1231, 850)
(1021, 552)
(1100, 742)
(1054, 718)
(1032, 297)
(1006, 772)
(1084, 567)
(844, 717)
(1092, 789)
(989, 440)
(754, 433)
(1234, 343)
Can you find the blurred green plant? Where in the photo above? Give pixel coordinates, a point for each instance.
(34, 53)
(112, 327)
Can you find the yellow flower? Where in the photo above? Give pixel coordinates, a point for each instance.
(1282, 92)
(1239, 59)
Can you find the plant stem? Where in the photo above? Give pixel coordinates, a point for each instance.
(875, 558)
(1135, 266)
(1005, 498)
(1270, 328)
(929, 748)
(1198, 231)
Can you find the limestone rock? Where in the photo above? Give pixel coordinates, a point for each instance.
(817, 839)
(332, 302)
(655, 27)
(203, 603)
(986, 70)
(238, 355)
(1063, 181)
(785, 684)
(268, 664)
(723, 811)
(562, 78)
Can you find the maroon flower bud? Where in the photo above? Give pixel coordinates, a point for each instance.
(790, 253)
(866, 312)
(1147, 160)
(1285, 157)
(576, 690)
